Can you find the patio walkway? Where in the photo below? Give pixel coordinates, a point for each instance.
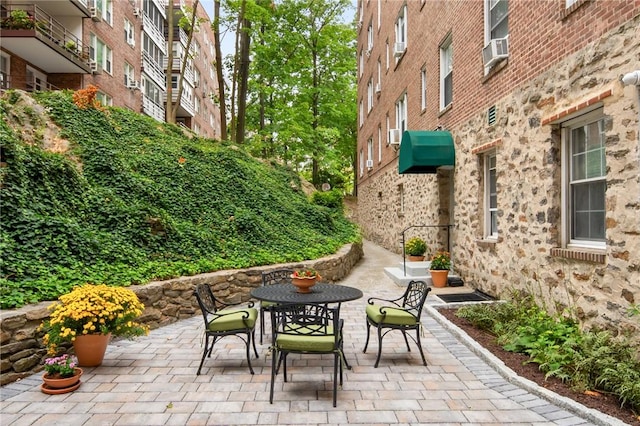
(152, 380)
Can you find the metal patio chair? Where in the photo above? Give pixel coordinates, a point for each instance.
(223, 319)
(277, 276)
(401, 314)
(306, 329)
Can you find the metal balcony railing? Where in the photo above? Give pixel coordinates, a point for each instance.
(46, 27)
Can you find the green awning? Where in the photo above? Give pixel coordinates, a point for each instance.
(424, 151)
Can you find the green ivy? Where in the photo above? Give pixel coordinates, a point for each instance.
(134, 200)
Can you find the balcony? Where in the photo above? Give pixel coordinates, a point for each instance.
(152, 109)
(153, 69)
(186, 107)
(31, 33)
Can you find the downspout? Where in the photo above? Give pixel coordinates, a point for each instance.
(630, 79)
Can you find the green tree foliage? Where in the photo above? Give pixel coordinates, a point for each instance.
(134, 200)
(302, 89)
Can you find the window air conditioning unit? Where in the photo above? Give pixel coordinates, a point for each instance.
(136, 11)
(394, 136)
(369, 164)
(94, 14)
(368, 52)
(398, 49)
(496, 50)
(378, 88)
(95, 68)
(133, 85)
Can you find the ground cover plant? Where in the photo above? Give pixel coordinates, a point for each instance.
(587, 360)
(128, 200)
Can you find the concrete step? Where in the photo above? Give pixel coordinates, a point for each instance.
(398, 276)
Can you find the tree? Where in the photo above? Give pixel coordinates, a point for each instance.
(188, 21)
(302, 92)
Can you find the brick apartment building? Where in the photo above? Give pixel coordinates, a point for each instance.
(525, 159)
(120, 46)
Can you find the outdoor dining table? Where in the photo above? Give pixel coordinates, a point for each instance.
(319, 294)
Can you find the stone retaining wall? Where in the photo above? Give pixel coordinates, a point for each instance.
(22, 352)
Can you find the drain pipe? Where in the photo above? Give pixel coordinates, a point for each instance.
(633, 79)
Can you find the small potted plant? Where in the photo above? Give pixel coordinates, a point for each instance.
(439, 268)
(415, 248)
(304, 279)
(62, 374)
(88, 316)
(18, 20)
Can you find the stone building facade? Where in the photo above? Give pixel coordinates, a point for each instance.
(512, 202)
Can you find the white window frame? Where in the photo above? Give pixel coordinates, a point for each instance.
(370, 95)
(361, 162)
(569, 3)
(361, 113)
(379, 143)
(401, 113)
(129, 74)
(370, 149)
(591, 121)
(489, 25)
(101, 53)
(370, 37)
(129, 33)
(361, 63)
(379, 73)
(104, 99)
(5, 70)
(490, 195)
(401, 27)
(446, 71)
(387, 55)
(379, 12)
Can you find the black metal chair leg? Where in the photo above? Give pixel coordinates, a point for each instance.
(367, 341)
(273, 373)
(204, 353)
(253, 339)
(335, 378)
(379, 347)
(261, 324)
(249, 352)
(404, 334)
(424, 361)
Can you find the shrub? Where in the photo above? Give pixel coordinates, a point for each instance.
(415, 247)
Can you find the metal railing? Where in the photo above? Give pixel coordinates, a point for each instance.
(47, 28)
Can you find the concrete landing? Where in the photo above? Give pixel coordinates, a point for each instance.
(403, 273)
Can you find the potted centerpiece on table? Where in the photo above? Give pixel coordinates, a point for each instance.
(415, 249)
(439, 268)
(62, 375)
(304, 279)
(89, 316)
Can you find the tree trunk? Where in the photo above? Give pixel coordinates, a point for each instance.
(243, 77)
(219, 73)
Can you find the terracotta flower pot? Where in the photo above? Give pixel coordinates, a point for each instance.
(54, 386)
(439, 277)
(304, 284)
(90, 349)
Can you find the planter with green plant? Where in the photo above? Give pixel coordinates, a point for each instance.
(415, 249)
(18, 20)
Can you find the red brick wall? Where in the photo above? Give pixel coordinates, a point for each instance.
(541, 33)
(113, 35)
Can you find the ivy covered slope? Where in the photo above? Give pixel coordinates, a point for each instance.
(129, 200)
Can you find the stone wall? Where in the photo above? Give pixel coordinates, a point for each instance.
(22, 352)
(598, 286)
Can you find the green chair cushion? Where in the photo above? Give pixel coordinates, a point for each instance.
(233, 319)
(392, 315)
(265, 304)
(306, 343)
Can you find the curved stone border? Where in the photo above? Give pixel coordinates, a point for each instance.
(166, 302)
(509, 375)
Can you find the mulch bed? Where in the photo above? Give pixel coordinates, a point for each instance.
(607, 404)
